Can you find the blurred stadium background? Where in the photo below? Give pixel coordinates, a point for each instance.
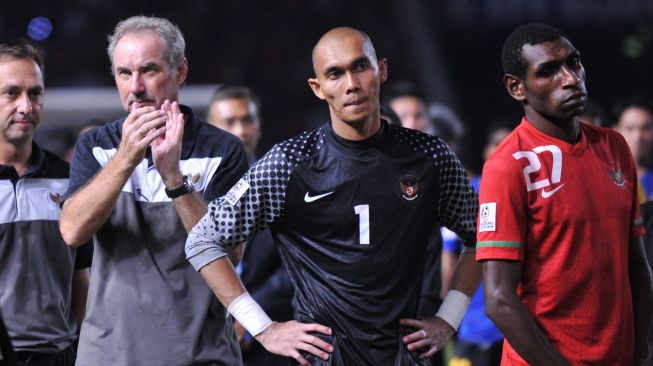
(450, 49)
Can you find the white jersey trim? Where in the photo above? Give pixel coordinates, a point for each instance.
(146, 184)
(33, 199)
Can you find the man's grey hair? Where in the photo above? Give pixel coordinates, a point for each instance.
(169, 35)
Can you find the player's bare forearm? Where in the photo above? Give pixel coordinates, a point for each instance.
(221, 277)
(642, 290)
(89, 208)
(467, 274)
(235, 253)
(286, 339)
(79, 295)
(448, 262)
(504, 307)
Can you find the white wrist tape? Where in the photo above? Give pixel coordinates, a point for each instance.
(249, 314)
(453, 308)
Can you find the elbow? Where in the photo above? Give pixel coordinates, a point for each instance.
(497, 305)
(71, 237)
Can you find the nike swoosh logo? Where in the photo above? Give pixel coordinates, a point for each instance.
(550, 193)
(308, 198)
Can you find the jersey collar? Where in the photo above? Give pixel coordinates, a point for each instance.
(563, 145)
(38, 164)
(368, 143)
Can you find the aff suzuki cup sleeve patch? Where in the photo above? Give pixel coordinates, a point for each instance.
(487, 217)
(236, 192)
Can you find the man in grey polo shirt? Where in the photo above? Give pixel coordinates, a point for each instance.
(134, 185)
(38, 280)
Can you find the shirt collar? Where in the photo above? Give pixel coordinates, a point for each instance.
(38, 164)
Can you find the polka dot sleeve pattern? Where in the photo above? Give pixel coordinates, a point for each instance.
(458, 205)
(253, 204)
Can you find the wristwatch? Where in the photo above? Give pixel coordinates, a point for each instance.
(185, 187)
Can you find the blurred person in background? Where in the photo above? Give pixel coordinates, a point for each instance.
(236, 109)
(448, 126)
(137, 185)
(409, 104)
(43, 283)
(634, 121)
(594, 114)
(85, 128)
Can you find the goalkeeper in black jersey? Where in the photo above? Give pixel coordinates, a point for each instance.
(352, 206)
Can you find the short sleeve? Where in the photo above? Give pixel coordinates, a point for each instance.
(83, 165)
(233, 167)
(458, 199)
(502, 212)
(252, 204)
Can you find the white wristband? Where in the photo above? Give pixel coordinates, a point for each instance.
(249, 314)
(453, 308)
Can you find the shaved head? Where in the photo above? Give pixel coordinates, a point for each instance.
(336, 36)
(348, 76)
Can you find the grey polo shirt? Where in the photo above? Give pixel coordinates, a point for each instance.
(146, 304)
(36, 266)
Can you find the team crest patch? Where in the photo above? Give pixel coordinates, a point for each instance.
(409, 187)
(195, 178)
(617, 177)
(55, 198)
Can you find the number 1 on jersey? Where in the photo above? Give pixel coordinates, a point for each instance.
(363, 212)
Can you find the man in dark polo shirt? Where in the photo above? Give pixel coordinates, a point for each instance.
(138, 184)
(38, 280)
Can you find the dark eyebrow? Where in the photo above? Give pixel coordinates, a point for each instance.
(38, 88)
(148, 66)
(331, 69)
(545, 65)
(555, 63)
(362, 59)
(16, 88)
(8, 88)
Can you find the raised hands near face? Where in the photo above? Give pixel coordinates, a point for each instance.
(166, 149)
(290, 338)
(142, 126)
(431, 335)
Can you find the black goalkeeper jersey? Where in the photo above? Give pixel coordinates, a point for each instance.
(351, 221)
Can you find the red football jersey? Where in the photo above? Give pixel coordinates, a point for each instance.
(568, 213)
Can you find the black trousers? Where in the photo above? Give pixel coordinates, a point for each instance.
(62, 358)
